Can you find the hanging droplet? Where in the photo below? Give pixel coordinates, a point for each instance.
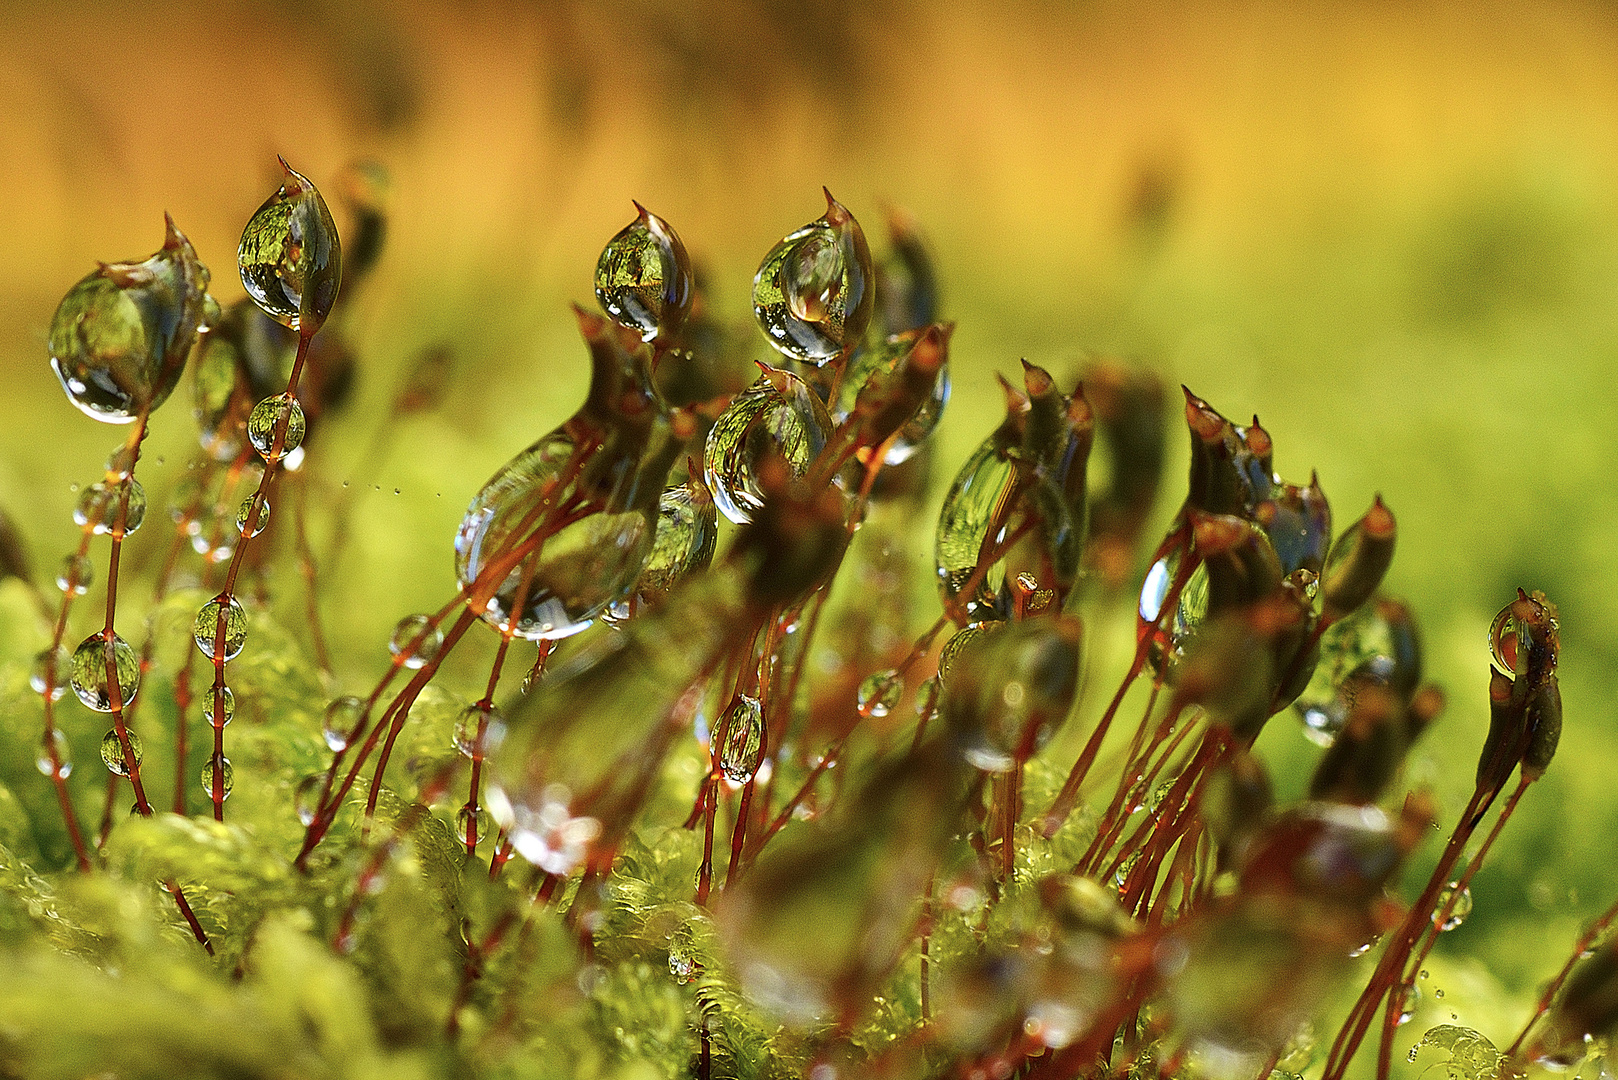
(778, 415)
(101, 503)
(1462, 905)
(75, 576)
(960, 640)
(269, 414)
(416, 639)
(682, 965)
(878, 361)
(89, 672)
(226, 714)
(112, 751)
(1365, 648)
(120, 337)
(971, 524)
(471, 821)
(1505, 640)
(687, 530)
(813, 293)
(743, 727)
(248, 523)
(479, 731)
(879, 692)
(227, 778)
(643, 279)
(50, 672)
(290, 258)
(343, 719)
(207, 629)
(55, 744)
(1409, 1002)
(304, 797)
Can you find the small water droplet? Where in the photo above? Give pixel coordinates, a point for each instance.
(682, 966)
(50, 672)
(1462, 905)
(417, 639)
(227, 778)
(1410, 1001)
(112, 751)
(305, 796)
(1505, 640)
(247, 528)
(477, 819)
(100, 504)
(270, 414)
(742, 726)
(467, 725)
(88, 672)
(229, 710)
(343, 719)
(63, 765)
(880, 692)
(222, 613)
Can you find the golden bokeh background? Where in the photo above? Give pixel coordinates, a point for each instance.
(1390, 229)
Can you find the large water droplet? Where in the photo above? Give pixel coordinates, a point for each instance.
(958, 641)
(290, 258)
(971, 524)
(812, 294)
(777, 415)
(206, 629)
(120, 337)
(100, 504)
(112, 751)
(742, 727)
(416, 639)
(878, 361)
(227, 778)
(270, 414)
(687, 530)
(1360, 649)
(343, 718)
(89, 672)
(643, 279)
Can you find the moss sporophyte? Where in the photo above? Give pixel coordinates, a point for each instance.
(715, 808)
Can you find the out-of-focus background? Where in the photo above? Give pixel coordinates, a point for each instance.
(1391, 230)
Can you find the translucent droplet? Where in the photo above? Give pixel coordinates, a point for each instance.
(50, 672)
(416, 639)
(1364, 648)
(248, 523)
(120, 337)
(89, 672)
(229, 711)
(1410, 1001)
(1461, 909)
(270, 413)
(477, 820)
(290, 258)
(343, 719)
(1154, 592)
(474, 718)
(743, 728)
(304, 797)
(975, 506)
(100, 505)
(682, 966)
(960, 640)
(813, 293)
(207, 628)
(778, 415)
(112, 751)
(643, 278)
(63, 765)
(1505, 640)
(687, 530)
(227, 778)
(75, 576)
(879, 361)
(581, 570)
(879, 692)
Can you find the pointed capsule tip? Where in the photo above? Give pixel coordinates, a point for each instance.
(639, 209)
(172, 237)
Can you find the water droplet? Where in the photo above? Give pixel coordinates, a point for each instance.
(120, 337)
(682, 966)
(960, 640)
(100, 504)
(879, 361)
(63, 765)
(1506, 640)
(75, 576)
(1366, 648)
(478, 819)
(778, 415)
(1409, 1003)
(742, 726)
(305, 796)
(89, 672)
(416, 639)
(224, 612)
(813, 293)
(973, 521)
(492, 723)
(268, 415)
(227, 778)
(50, 672)
(687, 530)
(1462, 905)
(343, 719)
(229, 711)
(1155, 591)
(1120, 877)
(290, 258)
(880, 692)
(112, 751)
(258, 523)
(643, 278)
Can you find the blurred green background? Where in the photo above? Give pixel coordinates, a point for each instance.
(1389, 229)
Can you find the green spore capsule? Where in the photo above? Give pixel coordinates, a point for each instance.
(89, 672)
(290, 258)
